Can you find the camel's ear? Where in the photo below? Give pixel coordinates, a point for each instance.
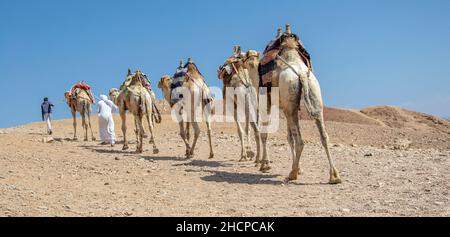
(129, 72)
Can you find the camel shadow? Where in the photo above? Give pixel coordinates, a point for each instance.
(161, 158)
(106, 151)
(241, 178)
(204, 163)
(310, 184)
(246, 178)
(68, 139)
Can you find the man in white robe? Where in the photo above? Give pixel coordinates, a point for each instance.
(105, 120)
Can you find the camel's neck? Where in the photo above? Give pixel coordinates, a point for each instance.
(254, 76)
(115, 99)
(166, 92)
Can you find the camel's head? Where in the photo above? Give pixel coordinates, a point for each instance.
(252, 59)
(137, 77)
(114, 94)
(67, 96)
(165, 82)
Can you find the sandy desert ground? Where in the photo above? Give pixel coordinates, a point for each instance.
(393, 162)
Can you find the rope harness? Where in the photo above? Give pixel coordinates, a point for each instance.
(245, 82)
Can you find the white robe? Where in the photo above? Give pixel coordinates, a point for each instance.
(106, 121)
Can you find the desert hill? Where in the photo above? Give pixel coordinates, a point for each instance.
(388, 125)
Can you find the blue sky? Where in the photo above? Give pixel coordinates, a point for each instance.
(372, 52)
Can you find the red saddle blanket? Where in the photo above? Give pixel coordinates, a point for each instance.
(81, 86)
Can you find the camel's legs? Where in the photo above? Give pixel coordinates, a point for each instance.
(334, 173)
(84, 125)
(250, 154)
(152, 136)
(90, 127)
(151, 126)
(252, 119)
(258, 141)
(293, 126)
(188, 133)
(136, 132)
(208, 127)
(290, 136)
(123, 117)
(265, 157)
(290, 139)
(74, 116)
(196, 127)
(136, 129)
(241, 138)
(139, 133)
(183, 136)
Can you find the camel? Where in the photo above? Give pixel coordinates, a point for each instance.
(114, 95)
(293, 77)
(193, 83)
(136, 99)
(235, 74)
(82, 104)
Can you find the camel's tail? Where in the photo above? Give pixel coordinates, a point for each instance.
(312, 103)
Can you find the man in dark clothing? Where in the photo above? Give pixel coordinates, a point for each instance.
(46, 109)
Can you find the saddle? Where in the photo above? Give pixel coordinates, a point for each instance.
(78, 90)
(268, 63)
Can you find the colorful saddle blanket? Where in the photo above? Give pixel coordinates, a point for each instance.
(176, 93)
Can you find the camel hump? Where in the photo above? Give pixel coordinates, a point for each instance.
(268, 64)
